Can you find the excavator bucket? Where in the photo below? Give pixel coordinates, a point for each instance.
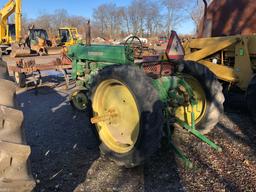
(20, 51)
(54, 50)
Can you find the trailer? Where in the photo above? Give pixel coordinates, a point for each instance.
(27, 71)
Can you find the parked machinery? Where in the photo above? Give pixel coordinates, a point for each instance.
(135, 104)
(139, 47)
(231, 58)
(36, 41)
(10, 33)
(68, 36)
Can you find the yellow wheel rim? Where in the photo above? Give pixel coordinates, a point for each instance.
(184, 113)
(116, 115)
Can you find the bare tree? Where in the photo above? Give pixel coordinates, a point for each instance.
(133, 12)
(153, 18)
(141, 17)
(175, 13)
(109, 18)
(126, 20)
(197, 12)
(52, 22)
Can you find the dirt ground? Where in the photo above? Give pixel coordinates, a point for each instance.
(65, 155)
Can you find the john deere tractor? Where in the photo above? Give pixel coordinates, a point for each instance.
(134, 105)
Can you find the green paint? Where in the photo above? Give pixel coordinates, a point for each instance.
(163, 85)
(188, 164)
(167, 88)
(87, 58)
(241, 52)
(199, 135)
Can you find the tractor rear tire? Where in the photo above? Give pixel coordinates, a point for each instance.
(148, 106)
(250, 98)
(213, 94)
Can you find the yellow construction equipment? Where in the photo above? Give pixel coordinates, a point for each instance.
(231, 58)
(68, 36)
(10, 33)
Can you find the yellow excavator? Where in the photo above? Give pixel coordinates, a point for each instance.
(36, 41)
(10, 33)
(68, 36)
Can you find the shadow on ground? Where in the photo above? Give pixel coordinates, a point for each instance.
(63, 146)
(247, 130)
(161, 173)
(65, 154)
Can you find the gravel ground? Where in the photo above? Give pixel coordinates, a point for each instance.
(65, 155)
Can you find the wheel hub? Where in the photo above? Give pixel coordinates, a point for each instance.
(79, 100)
(184, 112)
(116, 115)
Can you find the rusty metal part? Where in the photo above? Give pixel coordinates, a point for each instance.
(146, 51)
(229, 18)
(65, 60)
(159, 68)
(88, 33)
(30, 68)
(54, 50)
(111, 113)
(20, 50)
(25, 64)
(185, 94)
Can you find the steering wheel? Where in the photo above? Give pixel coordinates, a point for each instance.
(134, 48)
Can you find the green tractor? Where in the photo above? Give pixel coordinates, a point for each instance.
(135, 105)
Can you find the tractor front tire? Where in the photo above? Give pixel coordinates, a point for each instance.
(213, 95)
(78, 100)
(134, 131)
(250, 98)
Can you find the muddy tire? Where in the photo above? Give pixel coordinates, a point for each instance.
(213, 93)
(251, 98)
(148, 107)
(14, 169)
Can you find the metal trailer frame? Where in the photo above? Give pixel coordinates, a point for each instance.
(62, 65)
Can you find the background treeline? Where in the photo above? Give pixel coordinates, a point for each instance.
(142, 17)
